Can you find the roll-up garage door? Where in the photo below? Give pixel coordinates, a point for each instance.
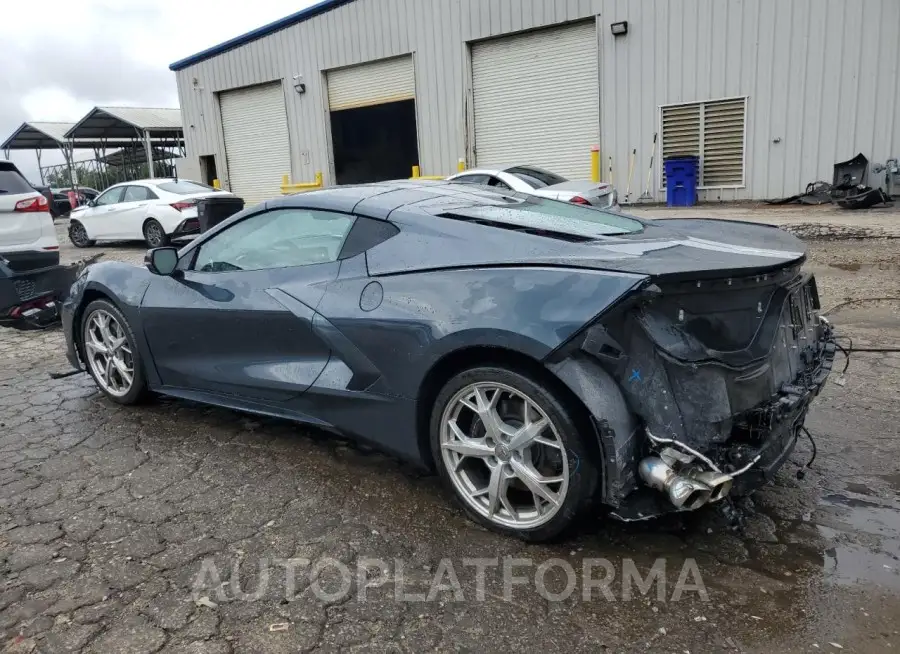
(257, 146)
(379, 82)
(537, 99)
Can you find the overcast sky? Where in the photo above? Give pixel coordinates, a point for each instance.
(64, 57)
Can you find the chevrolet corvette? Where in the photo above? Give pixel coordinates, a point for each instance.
(539, 356)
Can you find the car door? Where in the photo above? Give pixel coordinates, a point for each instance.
(133, 209)
(237, 318)
(99, 219)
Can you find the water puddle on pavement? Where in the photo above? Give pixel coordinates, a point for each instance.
(863, 538)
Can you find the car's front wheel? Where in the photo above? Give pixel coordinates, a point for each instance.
(79, 236)
(509, 448)
(155, 235)
(111, 354)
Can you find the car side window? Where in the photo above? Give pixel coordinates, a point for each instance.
(498, 183)
(136, 194)
(112, 196)
(471, 179)
(281, 238)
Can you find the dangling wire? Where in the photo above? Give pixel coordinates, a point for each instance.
(801, 473)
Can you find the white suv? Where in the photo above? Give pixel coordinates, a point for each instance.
(27, 236)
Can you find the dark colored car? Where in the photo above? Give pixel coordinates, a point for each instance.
(537, 354)
(62, 203)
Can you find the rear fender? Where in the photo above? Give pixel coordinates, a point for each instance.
(616, 427)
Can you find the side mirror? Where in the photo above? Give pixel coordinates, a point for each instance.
(161, 261)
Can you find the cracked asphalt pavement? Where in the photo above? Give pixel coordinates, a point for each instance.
(166, 527)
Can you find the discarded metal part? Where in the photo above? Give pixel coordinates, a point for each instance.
(863, 197)
(849, 175)
(816, 193)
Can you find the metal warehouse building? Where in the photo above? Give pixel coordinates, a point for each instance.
(769, 93)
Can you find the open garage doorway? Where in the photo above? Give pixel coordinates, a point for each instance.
(373, 120)
(376, 143)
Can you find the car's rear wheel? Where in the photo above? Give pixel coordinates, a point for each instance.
(155, 235)
(111, 354)
(79, 236)
(509, 448)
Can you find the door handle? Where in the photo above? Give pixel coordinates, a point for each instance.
(144, 204)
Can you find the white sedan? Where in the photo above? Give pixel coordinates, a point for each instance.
(536, 181)
(153, 210)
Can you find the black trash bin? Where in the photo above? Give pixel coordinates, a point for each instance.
(213, 210)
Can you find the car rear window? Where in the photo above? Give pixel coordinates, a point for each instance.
(536, 177)
(184, 187)
(554, 216)
(11, 181)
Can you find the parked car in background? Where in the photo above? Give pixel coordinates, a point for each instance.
(27, 236)
(153, 210)
(61, 198)
(536, 181)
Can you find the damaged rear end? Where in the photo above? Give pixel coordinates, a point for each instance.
(716, 374)
(32, 299)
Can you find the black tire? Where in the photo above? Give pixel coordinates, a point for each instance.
(582, 466)
(138, 390)
(78, 235)
(155, 235)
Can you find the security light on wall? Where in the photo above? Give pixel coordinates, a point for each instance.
(299, 84)
(619, 29)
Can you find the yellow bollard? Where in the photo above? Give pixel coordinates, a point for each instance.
(319, 179)
(217, 184)
(285, 180)
(416, 172)
(595, 163)
(461, 165)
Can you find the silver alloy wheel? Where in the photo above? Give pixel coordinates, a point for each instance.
(108, 353)
(154, 233)
(504, 455)
(78, 234)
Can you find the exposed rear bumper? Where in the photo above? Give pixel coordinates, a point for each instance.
(30, 260)
(32, 298)
(654, 381)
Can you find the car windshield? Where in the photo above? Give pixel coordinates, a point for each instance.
(556, 216)
(185, 187)
(535, 177)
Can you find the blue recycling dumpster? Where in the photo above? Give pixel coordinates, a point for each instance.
(681, 181)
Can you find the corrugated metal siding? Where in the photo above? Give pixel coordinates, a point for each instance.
(383, 81)
(821, 76)
(518, 84)
(822, 80)
(437, 31)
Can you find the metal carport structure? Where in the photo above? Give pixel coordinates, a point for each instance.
(125, 126)
(40, 136)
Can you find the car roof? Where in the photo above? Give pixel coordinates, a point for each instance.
(379, 199)
(156, 181)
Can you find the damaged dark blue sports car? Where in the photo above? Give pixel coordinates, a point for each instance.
(539, 355)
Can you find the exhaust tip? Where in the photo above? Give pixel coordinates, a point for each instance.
(718, 483)
(689, 494)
